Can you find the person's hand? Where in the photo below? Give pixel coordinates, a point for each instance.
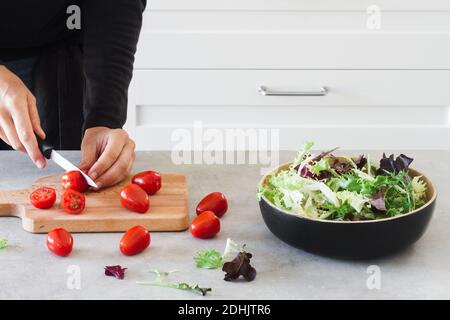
(19, 118)
(107, 154)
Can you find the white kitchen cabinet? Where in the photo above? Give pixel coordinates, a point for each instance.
(294, 40)
(385, 104)
(202, 62)
(306, 5)
(241, 87)
(286, 51)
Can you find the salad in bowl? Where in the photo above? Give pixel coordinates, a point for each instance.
(347, 207)
(328, 187)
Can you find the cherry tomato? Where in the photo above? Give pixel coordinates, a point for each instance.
(206, 225)
(73, 202)
(134, 198)
(43, 198)
(215, 202)
(134, 241)
(74, 180)
(150, 181)
(60, 242)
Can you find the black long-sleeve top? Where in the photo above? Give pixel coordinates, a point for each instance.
(109, 34)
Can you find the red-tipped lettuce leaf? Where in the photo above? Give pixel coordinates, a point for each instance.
(115, 271)
(240, 266)
(360, 162)
(389, 164)
(378, 202)
(341, 165)
(306, 173)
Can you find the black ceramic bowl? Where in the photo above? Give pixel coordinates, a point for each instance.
(349, 239)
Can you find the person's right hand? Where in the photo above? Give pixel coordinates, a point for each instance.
(19, 118)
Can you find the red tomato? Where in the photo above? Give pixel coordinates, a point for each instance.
(134, 241)
(60, 242)
(134, 198)
(73, 202)
(43, 198)
(215, 202)
(206, 225)
(150, 181)
(74, 180)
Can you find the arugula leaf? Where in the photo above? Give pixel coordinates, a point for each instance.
(180, 286)
(341, 212)
(3, 243)
(208, 259)
(159, 282)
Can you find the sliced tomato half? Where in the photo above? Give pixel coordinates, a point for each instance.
(73, 202)
(43, 198)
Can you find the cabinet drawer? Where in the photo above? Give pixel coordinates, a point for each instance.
(296, 4)
(240, 87)
(293, 22)
(281, 49)
(365, 109)
(258, 39)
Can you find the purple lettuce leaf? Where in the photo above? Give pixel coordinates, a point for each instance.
(115, 271)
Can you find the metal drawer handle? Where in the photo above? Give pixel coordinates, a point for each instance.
(267, 92)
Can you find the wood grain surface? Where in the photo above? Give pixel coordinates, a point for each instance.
(168, 209)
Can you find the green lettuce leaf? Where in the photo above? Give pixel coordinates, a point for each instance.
(303, 154)
(355, 200)
(208, 259)
(321, 165)
(3, 243)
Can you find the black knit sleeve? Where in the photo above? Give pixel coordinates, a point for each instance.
(110, 31)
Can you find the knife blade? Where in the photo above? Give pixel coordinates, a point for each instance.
(49, 153)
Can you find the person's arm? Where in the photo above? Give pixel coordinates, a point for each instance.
(19, 118)
(110, 33)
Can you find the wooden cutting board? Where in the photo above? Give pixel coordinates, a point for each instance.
(168, 209)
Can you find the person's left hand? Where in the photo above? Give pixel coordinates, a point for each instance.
(107, 154)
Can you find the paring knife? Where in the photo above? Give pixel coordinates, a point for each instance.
(49, 153)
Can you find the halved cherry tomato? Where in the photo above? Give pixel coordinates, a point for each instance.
(150, 181)
(60, 242)
(206, 225)
(134, 198)
(74, 180)
(134, 241)
(73, 202)
(215, 202)
(43, 198)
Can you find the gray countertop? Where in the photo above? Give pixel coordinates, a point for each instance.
(29, 271)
